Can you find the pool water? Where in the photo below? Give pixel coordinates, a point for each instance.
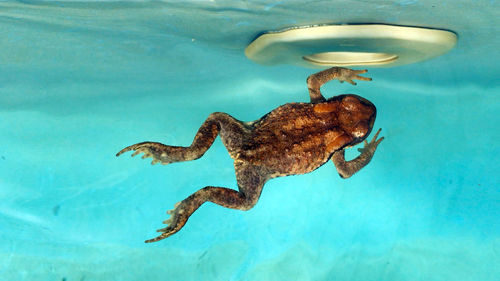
(81, 80)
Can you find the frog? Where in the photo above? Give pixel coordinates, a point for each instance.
(293, 139)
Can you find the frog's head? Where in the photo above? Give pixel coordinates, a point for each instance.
(356, 116)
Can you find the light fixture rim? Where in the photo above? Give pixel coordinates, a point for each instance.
(409, 43)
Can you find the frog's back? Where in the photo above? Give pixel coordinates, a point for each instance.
(290, 139)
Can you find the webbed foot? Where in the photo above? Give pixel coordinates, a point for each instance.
(158, 151)
(348, 75)
(178, 219)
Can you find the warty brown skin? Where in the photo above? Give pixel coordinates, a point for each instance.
(295, 138)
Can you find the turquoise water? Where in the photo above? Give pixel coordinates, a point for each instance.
(81, 80)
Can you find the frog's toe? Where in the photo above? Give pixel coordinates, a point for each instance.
(168, 221)
(376, 141)
(362, 78)
(173, 213)
(360, 71)
(157, 151)
(159, 237)
(146, 155)
(176, 221)
(128, 148)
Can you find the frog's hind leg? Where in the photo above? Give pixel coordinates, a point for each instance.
(231, 131)
(250, 182)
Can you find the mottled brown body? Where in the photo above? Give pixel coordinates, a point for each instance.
(297, 138)
(293, 139)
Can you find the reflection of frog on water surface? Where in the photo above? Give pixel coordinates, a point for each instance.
(293, 139)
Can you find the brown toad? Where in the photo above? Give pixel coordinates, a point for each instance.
(295, 138)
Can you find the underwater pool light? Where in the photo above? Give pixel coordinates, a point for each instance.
(376, 45)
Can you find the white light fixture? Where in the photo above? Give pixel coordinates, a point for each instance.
(374, 45)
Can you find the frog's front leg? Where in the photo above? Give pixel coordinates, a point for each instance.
(349, 168)
(316, 80)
